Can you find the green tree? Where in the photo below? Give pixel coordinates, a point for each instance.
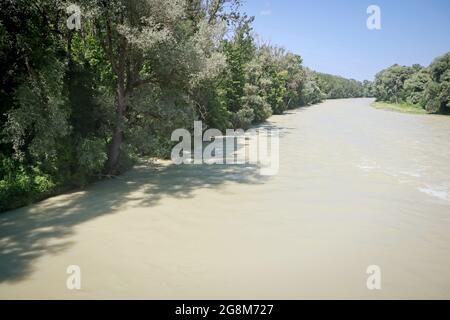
(415, 87)
(438, 90)
(389, 83)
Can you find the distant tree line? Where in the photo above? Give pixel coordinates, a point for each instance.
(428, 87)
(76, 105)
(336, 87)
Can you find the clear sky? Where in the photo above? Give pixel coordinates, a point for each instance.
(332, 36)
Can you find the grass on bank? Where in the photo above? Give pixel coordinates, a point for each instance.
(400, 107)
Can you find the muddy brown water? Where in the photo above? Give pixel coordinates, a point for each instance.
(356, 187)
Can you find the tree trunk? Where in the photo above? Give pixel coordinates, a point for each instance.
(117, 138)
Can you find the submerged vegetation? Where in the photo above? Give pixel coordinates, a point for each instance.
(80, 104)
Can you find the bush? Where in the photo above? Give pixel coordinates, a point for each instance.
(20, 186)
(243, 118)
(428, 87)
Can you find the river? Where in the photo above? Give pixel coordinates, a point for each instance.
(356, 187)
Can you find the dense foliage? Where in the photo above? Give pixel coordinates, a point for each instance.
(335, 87)
(428, 87)
(77, 105)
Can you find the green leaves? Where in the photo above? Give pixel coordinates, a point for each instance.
(20, 185)
(42, 113)
(426, 87)
(335, 87)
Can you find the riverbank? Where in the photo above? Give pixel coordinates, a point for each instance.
(347, 196)
(400, 107)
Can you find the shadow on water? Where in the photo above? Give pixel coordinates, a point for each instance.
(46, 227)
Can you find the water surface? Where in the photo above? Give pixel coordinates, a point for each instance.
(356, 187)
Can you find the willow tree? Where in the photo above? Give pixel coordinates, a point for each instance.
(154, 43)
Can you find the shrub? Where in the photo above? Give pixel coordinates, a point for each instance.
(20, 185)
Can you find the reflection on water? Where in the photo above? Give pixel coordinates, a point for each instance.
(440, 192)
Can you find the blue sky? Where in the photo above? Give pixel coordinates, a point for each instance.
(332, 36)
